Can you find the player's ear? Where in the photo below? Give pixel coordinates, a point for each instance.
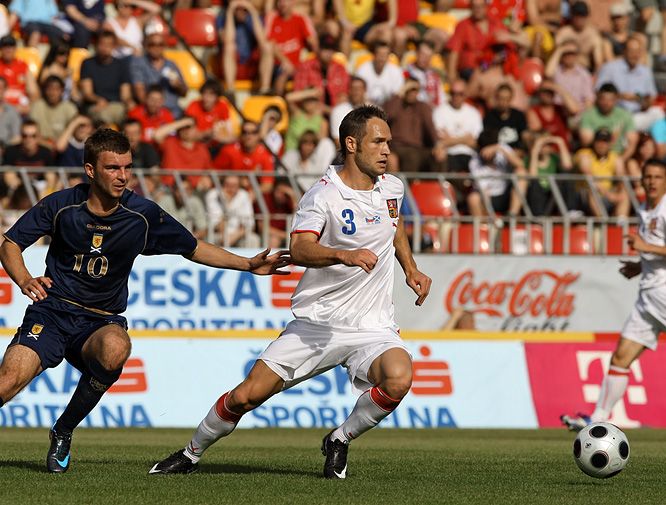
(89, 170)
(350, 143)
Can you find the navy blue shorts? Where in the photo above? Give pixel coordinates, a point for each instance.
(55, 329)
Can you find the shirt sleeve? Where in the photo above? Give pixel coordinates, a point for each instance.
(311, 213)
(35, 223)
(85, 69)
(166, 235)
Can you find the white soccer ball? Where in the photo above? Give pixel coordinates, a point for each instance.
(601, 450)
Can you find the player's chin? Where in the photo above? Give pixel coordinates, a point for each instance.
(382, 166)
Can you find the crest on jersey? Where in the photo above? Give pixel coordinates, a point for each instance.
(35, 331)
(97, 243)
(392, 204)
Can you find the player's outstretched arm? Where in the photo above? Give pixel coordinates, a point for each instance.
(638, 244)
(12, 262)
(263, 263)
(418, 281)
(307, 252)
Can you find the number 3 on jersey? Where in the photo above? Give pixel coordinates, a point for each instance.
(348, 216)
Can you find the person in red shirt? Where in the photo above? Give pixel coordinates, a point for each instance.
(182, 151)
(211, 114)
(152, 114)
(247, 154)
(289, 33)
(551, 112)
(21, 84)
(281, 202)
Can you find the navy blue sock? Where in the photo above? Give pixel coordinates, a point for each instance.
(88, 393)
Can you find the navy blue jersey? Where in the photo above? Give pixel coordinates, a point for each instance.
(90, 257)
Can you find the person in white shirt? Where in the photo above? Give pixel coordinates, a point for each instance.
(355, 98)
(382, 78)
(310, 160)
(648, 318)
(231, 214)
(347, 232)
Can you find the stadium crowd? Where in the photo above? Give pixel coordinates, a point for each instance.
(474, 87)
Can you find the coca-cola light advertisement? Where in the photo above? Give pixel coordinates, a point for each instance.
(509, 293)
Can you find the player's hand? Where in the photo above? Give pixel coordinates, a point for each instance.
(363, 258)
(265, 264)
(630, 269)
(420, 284)
(33, 288)
(636, 242)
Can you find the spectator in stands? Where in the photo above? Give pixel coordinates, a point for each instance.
(21, 84)
(658, 133)
(128, 26)
(246, 51)
(458, 126)
(289, 33)
(86, 18)
(355, 98)
(30, 153)
(565, 70)
(305, 114)
(550, 155)
(230, 212)
(600, 160)
(281, 201)
(182, 151)
(509, 123)
(409, 29)
(152, 113)
(268, 132)
(69, 144)
(635, 84)
(493, 159)
(544, 13)
(247, 154)
(432, 90)
(36, 18)
(647, 10)
(57, 63)
(470, 44)
(324, 73)
(183, 204)
(310, 160)
(357, 21)
(382, 77)
(105, 83)
(10, 121)
(144, 154)
(548, 116)
(413, 131)
(607, 114)
(584, 34)
(154, 68)
(211, 114)
(645, 150)
(52, 112)
(614, 42)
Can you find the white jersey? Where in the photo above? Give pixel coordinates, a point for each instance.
(339, 296)
(652, 229)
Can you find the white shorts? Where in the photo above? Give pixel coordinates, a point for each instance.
(304, 350)
(642, 326)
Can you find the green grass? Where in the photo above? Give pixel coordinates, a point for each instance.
(283, 467)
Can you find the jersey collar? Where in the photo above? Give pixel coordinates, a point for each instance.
(347, 192)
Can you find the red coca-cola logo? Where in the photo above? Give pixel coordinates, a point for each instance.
(536, 293)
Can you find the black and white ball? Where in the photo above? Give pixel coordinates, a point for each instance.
(601, 450)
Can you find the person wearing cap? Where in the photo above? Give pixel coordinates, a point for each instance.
(584, 34)
(635, 84)
(289, 33)
(565, 70)
(21, 84)
(324, 72)
(616, 38)
(600, 160)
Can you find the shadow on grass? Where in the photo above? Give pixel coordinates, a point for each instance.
(222, 468)
(32, 466)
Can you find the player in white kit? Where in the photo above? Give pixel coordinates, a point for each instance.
(347, 230)
(648, 317)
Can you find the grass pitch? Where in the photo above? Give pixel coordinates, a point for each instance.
(275, 467)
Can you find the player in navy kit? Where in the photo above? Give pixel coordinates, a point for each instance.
(97, 230)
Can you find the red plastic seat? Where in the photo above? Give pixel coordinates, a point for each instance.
(578, 240)
(523, 240)
(465, 236)
(615, 241)
(432, 199)
(196, 26)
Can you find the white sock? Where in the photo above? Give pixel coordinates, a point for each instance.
(218, 423)
(612, 390)
(371, 407)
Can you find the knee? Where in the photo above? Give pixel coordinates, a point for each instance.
(116, 348)
(397, 387)
(244, 398)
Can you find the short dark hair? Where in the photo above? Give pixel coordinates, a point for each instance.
(107, 34)
(354, 123)
(356, 78)
(29, 122)
(211, 85)
(608, 87)
(155, 88)
(131, 121)
(103, 140)
(653, 162)
(52, 79)
(504, 86)
(487, 138)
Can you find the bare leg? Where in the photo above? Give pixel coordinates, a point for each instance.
(19, 366)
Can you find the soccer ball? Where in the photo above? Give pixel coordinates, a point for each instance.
(601, 450)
